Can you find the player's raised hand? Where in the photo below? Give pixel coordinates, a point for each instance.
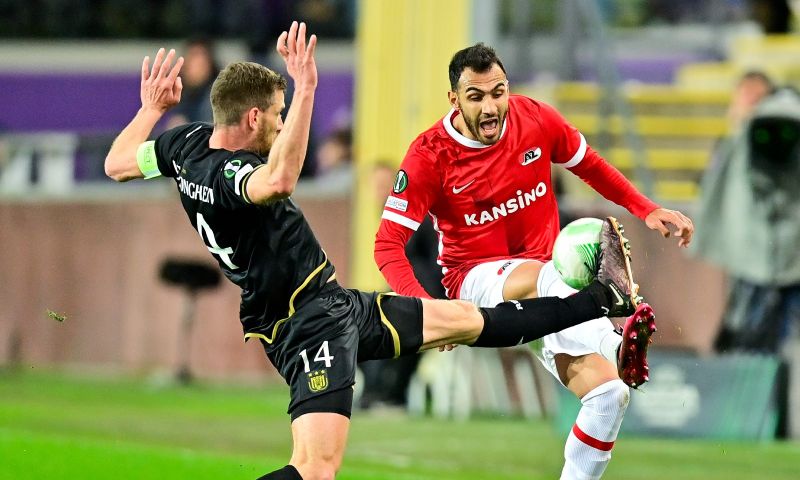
(161, 86)
(299, 55)
(660, 219)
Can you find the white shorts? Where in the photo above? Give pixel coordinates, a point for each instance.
(483, 285)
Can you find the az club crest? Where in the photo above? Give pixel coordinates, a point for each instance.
(317, 380)
(531, 156)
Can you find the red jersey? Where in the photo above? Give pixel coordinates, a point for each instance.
(490, 202)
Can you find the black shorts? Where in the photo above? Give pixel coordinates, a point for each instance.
(317, 349)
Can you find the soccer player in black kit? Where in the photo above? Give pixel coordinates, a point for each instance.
(235, 179)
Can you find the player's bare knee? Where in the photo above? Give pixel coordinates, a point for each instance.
(319, 468)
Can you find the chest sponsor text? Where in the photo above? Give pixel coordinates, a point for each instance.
(512, 205)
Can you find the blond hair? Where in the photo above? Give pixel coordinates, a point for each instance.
(240, 87)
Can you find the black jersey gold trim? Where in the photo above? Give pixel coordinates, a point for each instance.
(385, 321)
(280, 322)
(243, 185)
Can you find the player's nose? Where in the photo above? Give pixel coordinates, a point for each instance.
(489, 108)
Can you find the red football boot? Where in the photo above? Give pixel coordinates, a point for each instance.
(636, 333)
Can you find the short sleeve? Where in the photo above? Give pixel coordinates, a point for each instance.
(569, 145)
(414, 190)
(169, 144)
(231, 182)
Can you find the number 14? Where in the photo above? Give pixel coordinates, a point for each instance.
(323, 355)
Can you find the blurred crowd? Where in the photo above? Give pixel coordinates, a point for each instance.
(256, 21)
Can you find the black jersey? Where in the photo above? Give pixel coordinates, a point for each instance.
(267, 250)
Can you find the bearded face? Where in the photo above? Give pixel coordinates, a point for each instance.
(269, 125)
(482, 99)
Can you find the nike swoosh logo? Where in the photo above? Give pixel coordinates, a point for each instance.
(620, 301)
(461, 189)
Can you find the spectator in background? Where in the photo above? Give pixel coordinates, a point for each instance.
(750, 90)
(386, 381)
(200, 68)
(750, 212)
(334, 157)
(334, 164)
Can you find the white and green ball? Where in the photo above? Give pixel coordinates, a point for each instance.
(576, 250)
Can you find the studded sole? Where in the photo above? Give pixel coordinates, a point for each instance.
(636, 337)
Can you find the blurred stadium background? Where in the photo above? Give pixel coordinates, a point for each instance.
(105, 392)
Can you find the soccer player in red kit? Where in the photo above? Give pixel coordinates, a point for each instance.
(483, 174)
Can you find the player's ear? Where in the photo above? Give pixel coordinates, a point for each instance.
(252, 117)
(452, 97)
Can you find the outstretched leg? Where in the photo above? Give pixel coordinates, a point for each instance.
(514, 322)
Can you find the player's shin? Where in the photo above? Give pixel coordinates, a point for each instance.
(588, 448)
(521, 321)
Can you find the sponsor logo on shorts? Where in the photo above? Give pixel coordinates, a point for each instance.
(318, 380)
(503, 267)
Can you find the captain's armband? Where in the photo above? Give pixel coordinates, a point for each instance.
(146, 159)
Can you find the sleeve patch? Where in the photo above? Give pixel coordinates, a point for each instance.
(146, 159)
(397, 203)
(400, 182)
(236, 171)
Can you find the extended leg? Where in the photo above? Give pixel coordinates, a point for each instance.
(510, 323)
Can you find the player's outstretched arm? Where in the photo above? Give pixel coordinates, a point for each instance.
(160, 90)
(278, 178)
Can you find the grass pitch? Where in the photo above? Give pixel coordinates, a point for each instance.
(66, 426)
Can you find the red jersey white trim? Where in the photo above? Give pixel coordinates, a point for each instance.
(579, 155)
(397, 218)
(491, 202)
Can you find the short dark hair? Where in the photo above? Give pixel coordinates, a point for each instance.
(478, 57)
(240, 87)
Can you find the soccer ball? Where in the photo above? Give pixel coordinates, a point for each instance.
(576, 250)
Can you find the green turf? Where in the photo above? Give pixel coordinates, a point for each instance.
(66, 426)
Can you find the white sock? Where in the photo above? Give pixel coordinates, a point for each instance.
(550, 284)
(588, 448)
